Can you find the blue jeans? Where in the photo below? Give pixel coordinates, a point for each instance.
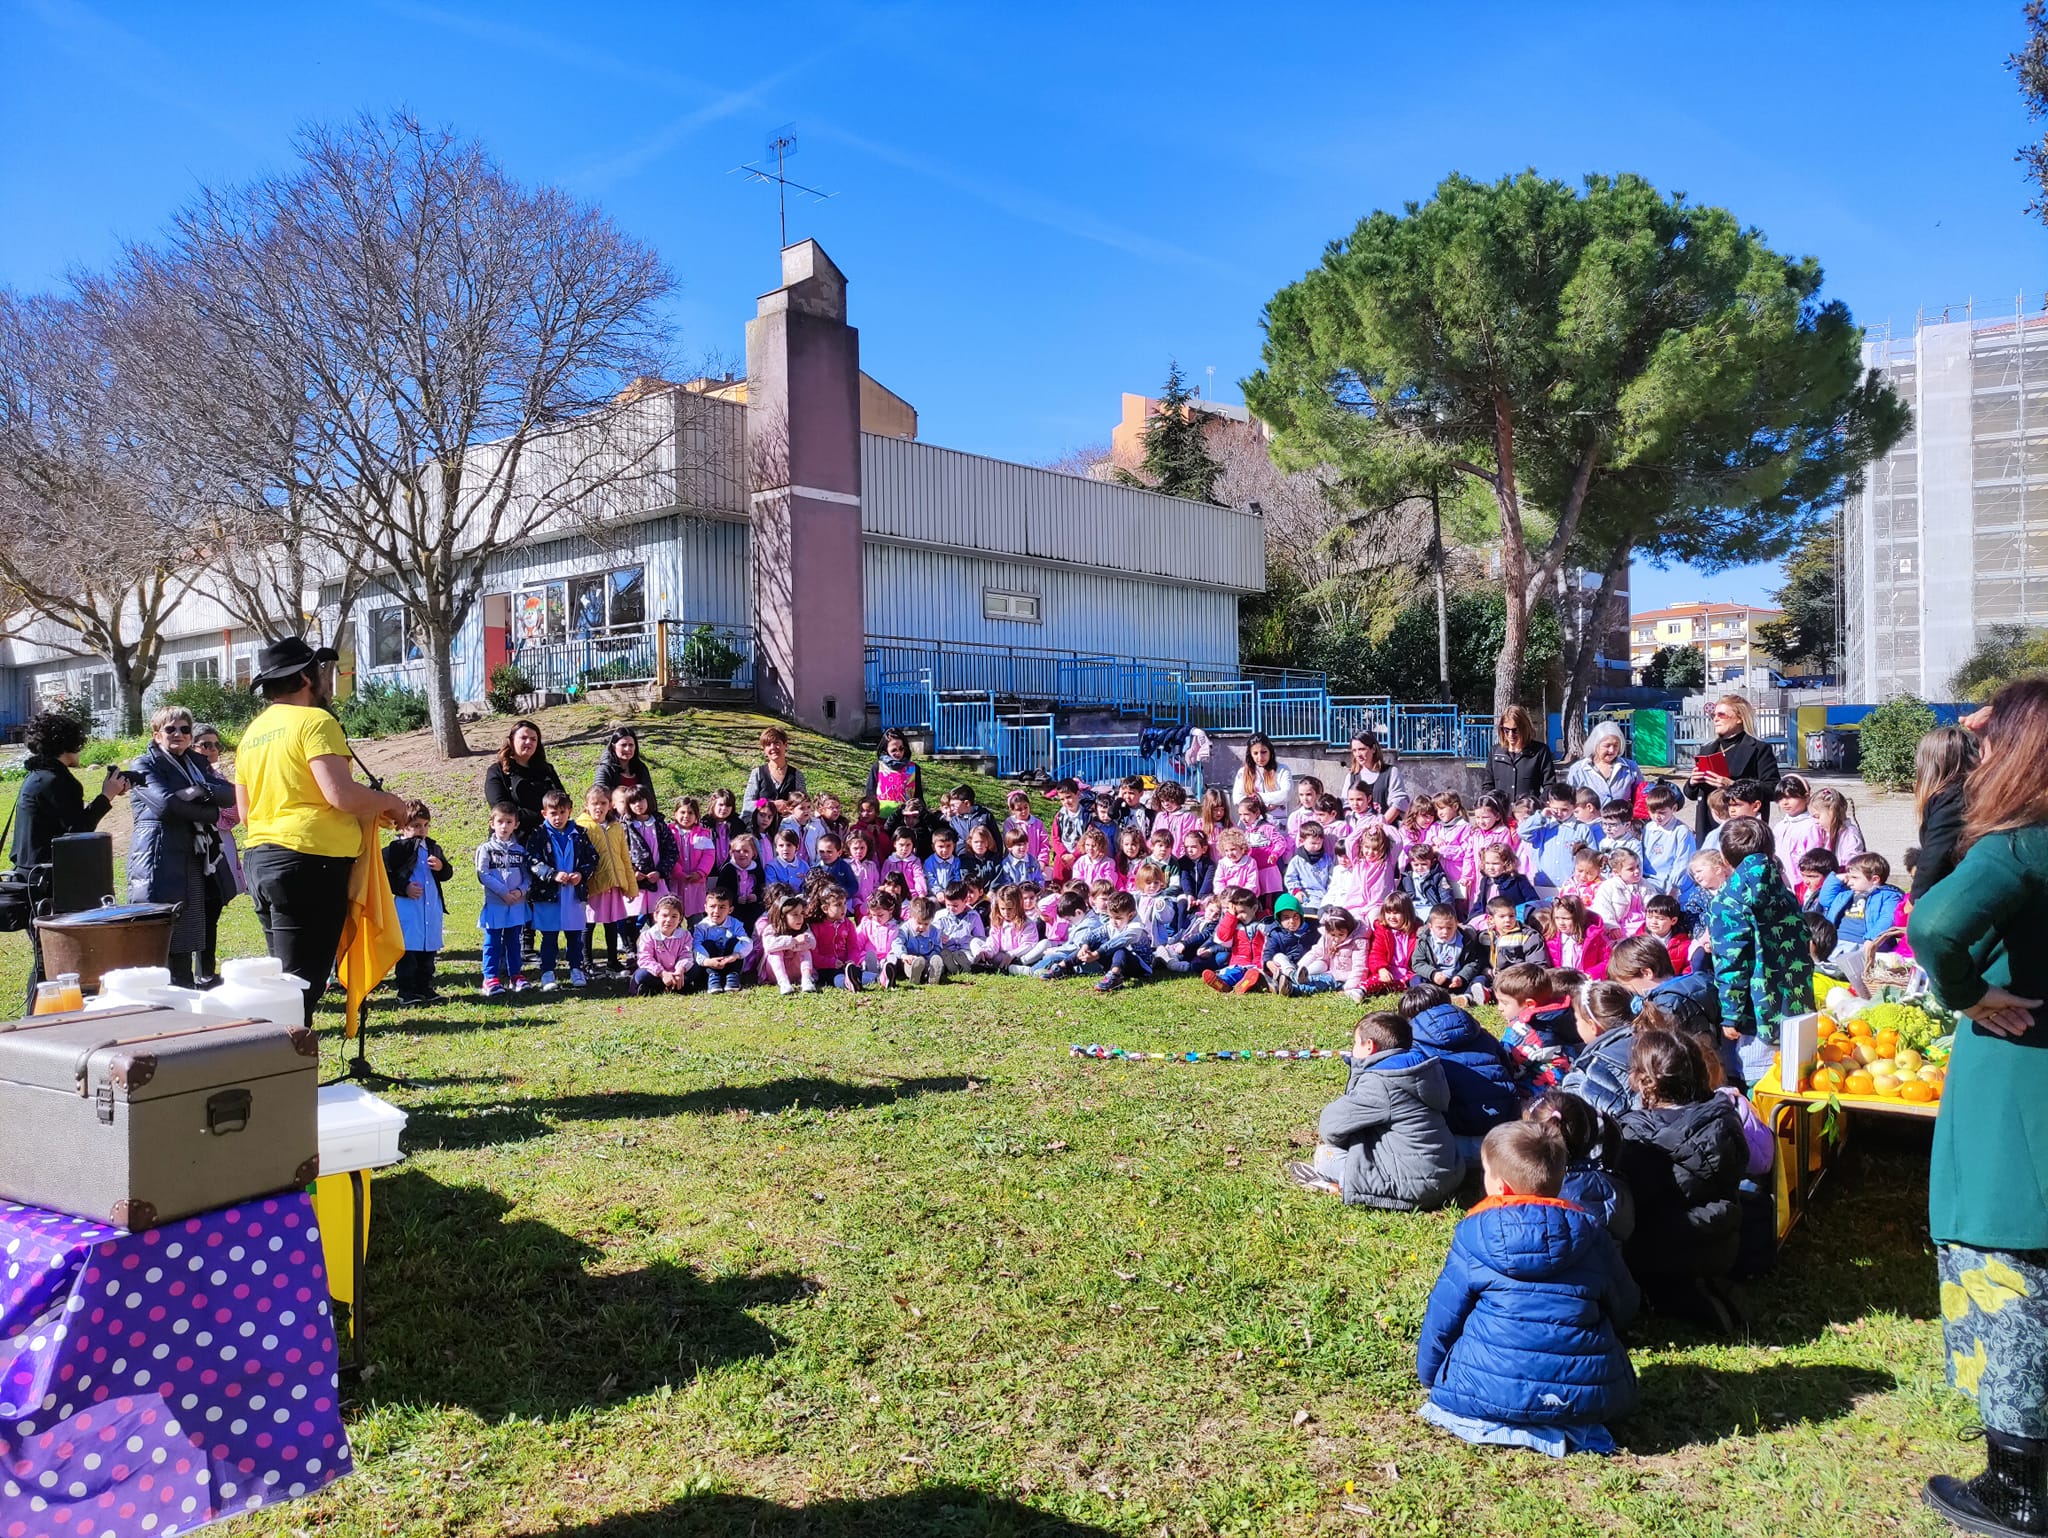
(572, 943)
(501, 954)
(1317, 982)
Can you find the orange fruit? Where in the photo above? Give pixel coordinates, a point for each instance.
(1918, 1091)
(1836, 1051)
(1887, 1043)
(1827, 1081)
(1860, 1028)
(1825, 1029)
(1860, 1083)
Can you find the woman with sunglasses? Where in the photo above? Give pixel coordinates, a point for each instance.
(1733, 721)
(175, 854)
(1520, 764)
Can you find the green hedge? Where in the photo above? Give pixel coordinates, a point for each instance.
(1891, 736)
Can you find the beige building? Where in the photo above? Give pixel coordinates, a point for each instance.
(882, 411)
(1723, 632)
(1127, 438)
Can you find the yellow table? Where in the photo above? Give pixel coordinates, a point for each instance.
(1802, 1157)
(341, 1203)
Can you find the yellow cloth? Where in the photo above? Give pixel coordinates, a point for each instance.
(334, 1205)
(274, 762)
(614, 871)
(371, 940)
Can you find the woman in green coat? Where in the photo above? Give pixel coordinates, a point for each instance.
(1983, 937)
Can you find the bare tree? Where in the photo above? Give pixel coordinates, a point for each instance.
(82, 546)
(1089, 461)
(231, 431)
(463, 338)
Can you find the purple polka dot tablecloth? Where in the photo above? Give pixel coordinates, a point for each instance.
(151, 1383)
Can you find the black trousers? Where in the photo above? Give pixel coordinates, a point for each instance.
(301, 902)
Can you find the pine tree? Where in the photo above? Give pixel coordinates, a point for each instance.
(1177, 459)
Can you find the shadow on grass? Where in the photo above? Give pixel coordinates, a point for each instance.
(949, 1510)
(478, 1123)
(1682, 1405)
(468, 1308)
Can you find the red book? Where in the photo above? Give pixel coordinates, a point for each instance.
(1711, 763)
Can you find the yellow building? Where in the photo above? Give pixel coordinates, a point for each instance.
(1723, 632)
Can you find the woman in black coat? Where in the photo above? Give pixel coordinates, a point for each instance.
(52, 803)
(522, 775)
(1520, 764)
(623, 764)
(1734, 722)
(1941, 768)
(175, 854)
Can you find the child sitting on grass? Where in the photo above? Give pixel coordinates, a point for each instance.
(1239, 936)
(915, 958)
(722, 946)
(667, 950)
(1445, 954)
(1587, 1180)
(1509, 942)
(1666, 922)
(1286, 942)
(1336, 959)
(1476, 1065)
(1384, 1142)
(1683, 1155)
(1390, 954)
(1126, 955)
(1521, 1343)
(1536, 1023)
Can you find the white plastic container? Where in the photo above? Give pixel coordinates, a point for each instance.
(357, 1130)
(258, 988)
(127, 987)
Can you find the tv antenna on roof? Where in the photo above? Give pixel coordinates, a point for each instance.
(781, 145)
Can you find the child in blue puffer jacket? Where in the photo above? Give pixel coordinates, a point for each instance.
(1477, 1067)
(1521, 1341)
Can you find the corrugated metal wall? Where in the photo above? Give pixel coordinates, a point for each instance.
(697, 569)
(934, 496)
(937, 595)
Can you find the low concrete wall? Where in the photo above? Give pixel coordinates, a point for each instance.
(1422, 774)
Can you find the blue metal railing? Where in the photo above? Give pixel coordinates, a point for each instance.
(1294, 714)
(958, 720)
(1020, 744)
(1231, 706)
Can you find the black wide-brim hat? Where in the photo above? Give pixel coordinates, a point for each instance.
(289, 658)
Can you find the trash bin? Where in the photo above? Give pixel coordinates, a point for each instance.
(1833, 751)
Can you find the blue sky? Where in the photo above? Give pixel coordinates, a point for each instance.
(1037, 207)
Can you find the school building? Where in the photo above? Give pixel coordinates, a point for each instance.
(791, 541)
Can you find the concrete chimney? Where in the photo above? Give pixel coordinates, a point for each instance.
(803, 461)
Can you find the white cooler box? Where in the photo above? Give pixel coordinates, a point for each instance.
(357, 1130)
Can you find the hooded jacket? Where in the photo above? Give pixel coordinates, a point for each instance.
(1684, 1164)
(1399, 1152)
(1607, 1197)
(1690, 1000)
(1476, 1069)
(1523, 1324)
(1763, 964)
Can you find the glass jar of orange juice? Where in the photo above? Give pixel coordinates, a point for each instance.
(70, 995)
(49, 999)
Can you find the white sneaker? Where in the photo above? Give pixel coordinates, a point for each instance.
(576, 978)
(785, 989)
(810, 987)
(548, 983)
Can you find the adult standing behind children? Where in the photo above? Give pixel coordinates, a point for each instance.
(895, 778)
(1983, 938)
(774, 779)
(623, 763)
(1520, 764)
(1377, 775)
(1606, 769)
(1734, 722)
(303, 808)
(1263, 778)
(521, 775)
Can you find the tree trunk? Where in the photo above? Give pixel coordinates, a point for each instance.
(1582, 650)
(441, 716)
(1443, 621)
(132, 721)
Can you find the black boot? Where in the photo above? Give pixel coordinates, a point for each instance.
(2010, 1496)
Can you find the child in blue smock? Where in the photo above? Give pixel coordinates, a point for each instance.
(418, 869)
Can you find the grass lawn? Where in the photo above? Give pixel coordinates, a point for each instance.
(896, 1263)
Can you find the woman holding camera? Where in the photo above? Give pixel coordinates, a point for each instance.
(52, 804)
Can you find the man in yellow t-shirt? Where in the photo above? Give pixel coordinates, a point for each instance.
(302, 812)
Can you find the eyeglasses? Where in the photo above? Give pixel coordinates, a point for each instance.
(208, 744)
(177, 731)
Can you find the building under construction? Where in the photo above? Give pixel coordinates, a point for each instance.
(1949, 536)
